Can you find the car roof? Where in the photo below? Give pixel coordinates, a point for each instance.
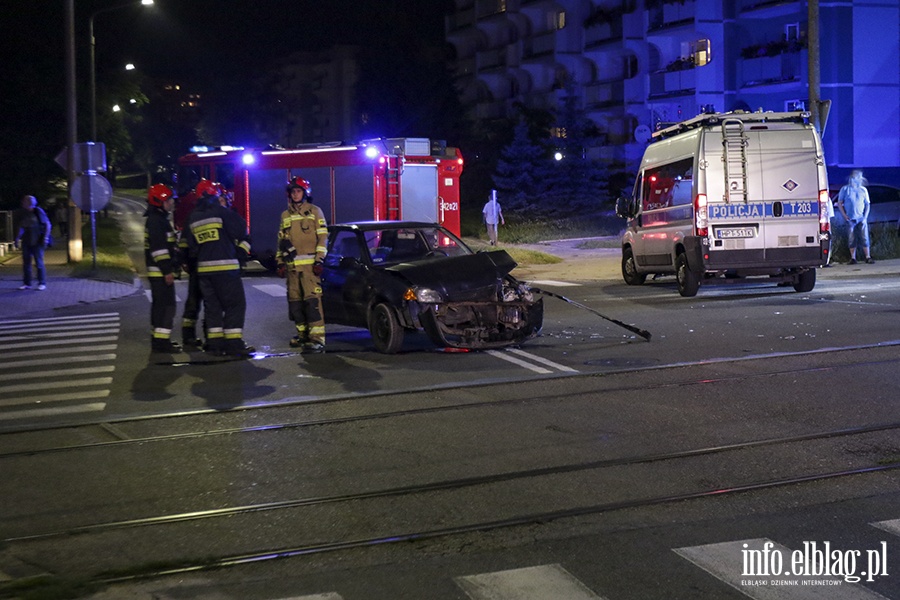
(372, 225)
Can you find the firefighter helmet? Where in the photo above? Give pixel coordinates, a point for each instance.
(158, 194)
(207, 188)
(299, 183)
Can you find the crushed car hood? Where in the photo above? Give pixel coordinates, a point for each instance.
(460, 277)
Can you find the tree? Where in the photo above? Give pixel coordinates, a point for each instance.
(519, 171)
(577, 183)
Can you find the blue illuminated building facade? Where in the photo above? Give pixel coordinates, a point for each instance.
(636, 63)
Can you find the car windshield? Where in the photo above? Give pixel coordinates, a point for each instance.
(392, 246)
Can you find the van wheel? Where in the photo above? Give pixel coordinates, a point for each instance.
(806, 281)
(688, 281)
(387, 334)
(629, 269)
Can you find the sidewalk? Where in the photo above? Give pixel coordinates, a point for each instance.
(62, 289)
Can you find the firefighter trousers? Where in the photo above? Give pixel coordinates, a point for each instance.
(191, 308)
(305, 304)
(162, 308)
(225, 307)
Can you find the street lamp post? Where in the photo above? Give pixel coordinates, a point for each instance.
(94, 62)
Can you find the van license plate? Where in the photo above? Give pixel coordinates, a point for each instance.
(728, 233)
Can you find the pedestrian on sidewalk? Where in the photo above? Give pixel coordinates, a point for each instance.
(33, 238)
(853, 202)
(492, 216)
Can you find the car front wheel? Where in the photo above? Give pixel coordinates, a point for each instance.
(629, 269)
(387, 334)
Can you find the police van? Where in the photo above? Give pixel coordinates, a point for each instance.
(724, 196)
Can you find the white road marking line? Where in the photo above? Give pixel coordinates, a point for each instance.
(87, 318)
(36, 362)
(553, 283)
(516, 361)
(892, 526)
(42, 335)
(67, 350)
(56, 398)
(61, 326)
(726, 562)
(52, 411)
(272, 289)
(54, 385)
(542, 360)
(65, 343)
(57, 373)
(545, 582)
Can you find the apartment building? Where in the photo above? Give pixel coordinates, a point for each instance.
(638, 63)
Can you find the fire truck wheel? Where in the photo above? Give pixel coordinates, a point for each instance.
(805, 281)
(688, 281)
(387, 334)
(629, 269)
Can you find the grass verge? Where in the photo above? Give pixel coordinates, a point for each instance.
(113, 262)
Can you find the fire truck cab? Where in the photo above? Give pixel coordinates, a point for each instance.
(373, 180)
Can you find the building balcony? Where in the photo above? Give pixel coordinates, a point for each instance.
(539, 46)
(461, 20)
(672, 14)
(602, 33)
(768, 9)
(492, 59)
(771, 70)
(485, 9)
(672, 83)
(602, 95)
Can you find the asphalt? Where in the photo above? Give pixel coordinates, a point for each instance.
(62, 288)
(578, 264)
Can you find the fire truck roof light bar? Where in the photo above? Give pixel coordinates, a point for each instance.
(307, 151)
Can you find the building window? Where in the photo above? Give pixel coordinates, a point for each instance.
(560, 20)
(792, 31)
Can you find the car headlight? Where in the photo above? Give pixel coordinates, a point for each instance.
(424, 295)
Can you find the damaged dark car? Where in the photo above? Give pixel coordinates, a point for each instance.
(394, 277)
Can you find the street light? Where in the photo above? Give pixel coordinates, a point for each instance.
(94, 62)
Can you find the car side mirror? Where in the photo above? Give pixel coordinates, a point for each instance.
(625, 207)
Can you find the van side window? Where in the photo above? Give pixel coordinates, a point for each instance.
(668, 185)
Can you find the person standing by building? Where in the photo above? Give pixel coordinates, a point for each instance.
(33, 237)
(160, 259)
(492, 215)
(301, 252)
(853, 202)
(218, 241)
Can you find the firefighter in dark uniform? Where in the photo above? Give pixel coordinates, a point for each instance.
(160, 258)
(218, 241)
(192, 305)
(301, 245)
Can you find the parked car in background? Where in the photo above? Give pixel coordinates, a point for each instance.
(393, 277)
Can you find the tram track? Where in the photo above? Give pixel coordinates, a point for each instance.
(112, 427)
(451, 485)
(417, 503)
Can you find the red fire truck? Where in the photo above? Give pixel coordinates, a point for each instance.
(382, 180)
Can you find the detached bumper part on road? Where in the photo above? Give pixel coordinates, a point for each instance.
(482, 325)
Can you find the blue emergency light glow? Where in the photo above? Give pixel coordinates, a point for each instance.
(372, 152)
(248, 159)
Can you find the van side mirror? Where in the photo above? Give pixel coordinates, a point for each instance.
(625, 207)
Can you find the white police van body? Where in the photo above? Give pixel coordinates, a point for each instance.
(725, 196)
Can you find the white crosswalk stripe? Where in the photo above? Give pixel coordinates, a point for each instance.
(544, 582)
(56, 365)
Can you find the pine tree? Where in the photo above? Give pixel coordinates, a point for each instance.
(518, 169)
(578, 184)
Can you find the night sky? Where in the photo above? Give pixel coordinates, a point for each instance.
(199, 39)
